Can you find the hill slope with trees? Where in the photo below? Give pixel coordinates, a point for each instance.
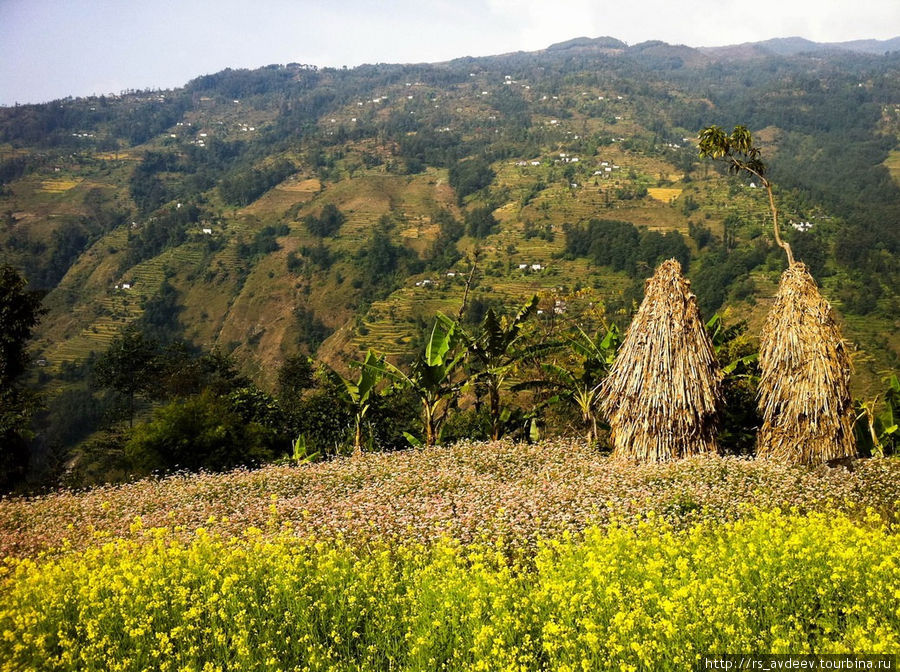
(252, 218)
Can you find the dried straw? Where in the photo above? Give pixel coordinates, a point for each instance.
(662, 393)
(804, 389)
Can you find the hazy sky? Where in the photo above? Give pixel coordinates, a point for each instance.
(55, 48)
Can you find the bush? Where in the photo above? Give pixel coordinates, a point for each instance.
(200, 432)
(327, 223)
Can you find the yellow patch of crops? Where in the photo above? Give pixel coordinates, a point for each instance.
(664, 194)
(58, 186)
(892, 163)
(423, 231)
(121, 155)
(311, 185)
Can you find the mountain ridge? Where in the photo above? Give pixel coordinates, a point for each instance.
(783, 46)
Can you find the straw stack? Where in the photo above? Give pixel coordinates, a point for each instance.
(662, 393)
(804, 389)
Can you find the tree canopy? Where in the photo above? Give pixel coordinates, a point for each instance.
(20, 311)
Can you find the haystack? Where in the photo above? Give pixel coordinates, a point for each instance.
(804, 388)
(662, 392)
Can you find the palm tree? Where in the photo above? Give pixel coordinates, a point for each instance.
(804, 389)
(740, 155)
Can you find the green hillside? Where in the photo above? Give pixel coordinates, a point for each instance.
(202, 213)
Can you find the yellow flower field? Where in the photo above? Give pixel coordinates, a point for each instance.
(625, 597)
(495, 556)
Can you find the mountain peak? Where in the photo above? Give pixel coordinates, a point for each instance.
(588, 43)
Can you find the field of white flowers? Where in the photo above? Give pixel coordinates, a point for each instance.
(466, 491)
(494, 556)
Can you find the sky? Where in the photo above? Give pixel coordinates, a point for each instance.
(51, 49)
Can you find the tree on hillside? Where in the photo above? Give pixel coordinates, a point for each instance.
(480, 222)
(205, 431)
(131, 366)
(739, 153)
(295, 376)
(469, 176)
(20, 311)
(327, 223)
(804, 388)
(443, 252)
(244, 186)
(184, 372)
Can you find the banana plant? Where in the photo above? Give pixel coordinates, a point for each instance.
(358, 394)
(497, 349)
(738, 359)
(431, 377)
(581, 387)
(302, 451)
(722, 338)
(879, 431)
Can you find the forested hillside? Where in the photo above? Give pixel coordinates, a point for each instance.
(194, 246)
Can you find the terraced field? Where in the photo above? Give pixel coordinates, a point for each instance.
(597, 151)
(292, 191)
(893, 165)
(120, 303)
(391, 325)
